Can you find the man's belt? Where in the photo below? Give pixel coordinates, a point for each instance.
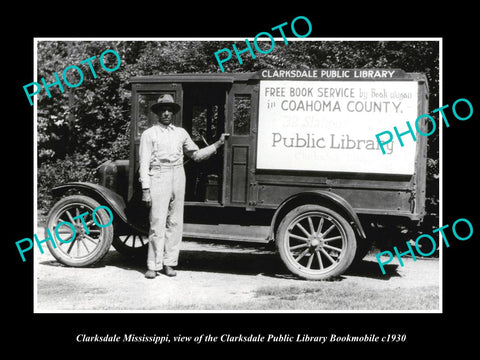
(165, 165)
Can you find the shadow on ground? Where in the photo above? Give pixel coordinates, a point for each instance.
(241, 263)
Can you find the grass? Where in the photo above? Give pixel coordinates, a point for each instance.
(333, 296)
(337, 296)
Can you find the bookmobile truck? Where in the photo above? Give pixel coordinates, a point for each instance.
(302, 167)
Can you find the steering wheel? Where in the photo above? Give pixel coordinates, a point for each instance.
(205, 141)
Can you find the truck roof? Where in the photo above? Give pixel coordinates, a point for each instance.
(195, 77)
(368, 74)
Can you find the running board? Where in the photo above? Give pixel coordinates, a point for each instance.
(251, 233)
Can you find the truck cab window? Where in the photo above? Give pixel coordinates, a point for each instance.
(204, 124)
(241, 114)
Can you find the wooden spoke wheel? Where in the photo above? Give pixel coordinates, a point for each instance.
(315, 242)
(83, 242)
(133, 245)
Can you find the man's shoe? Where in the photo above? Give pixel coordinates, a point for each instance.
(151, 274)
(167, 270)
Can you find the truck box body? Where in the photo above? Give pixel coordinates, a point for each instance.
(296, 131)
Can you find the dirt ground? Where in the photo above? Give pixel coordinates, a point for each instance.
(218, 277)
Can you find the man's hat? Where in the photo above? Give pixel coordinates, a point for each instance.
(165, 100)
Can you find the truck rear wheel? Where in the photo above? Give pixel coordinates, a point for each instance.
(131, 245)
(84, 243)
(315, 242)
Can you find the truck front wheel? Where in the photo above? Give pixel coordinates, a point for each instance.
(84, 243)
(315, 242)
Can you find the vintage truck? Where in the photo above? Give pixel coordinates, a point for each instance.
(301, 168)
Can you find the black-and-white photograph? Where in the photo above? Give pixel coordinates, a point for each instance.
(228, 180)
(270, 174)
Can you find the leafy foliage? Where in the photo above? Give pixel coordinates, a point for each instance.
(87, 125)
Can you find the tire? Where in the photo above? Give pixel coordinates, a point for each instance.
(84, 249)
(131, 245)
(315, 242)
(363, 247)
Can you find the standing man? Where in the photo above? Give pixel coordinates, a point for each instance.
(162, 176)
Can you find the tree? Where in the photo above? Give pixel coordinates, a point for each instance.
(87, 125)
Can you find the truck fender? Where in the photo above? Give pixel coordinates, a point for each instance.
(98, 192)
(320, 197)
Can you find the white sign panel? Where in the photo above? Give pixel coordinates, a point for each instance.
(331, 125)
